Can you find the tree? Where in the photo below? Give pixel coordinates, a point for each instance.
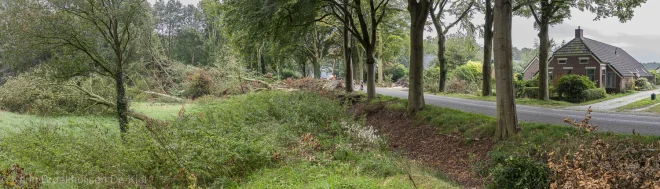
(104, 31)
(366, 34)
(461, 9)
(419, 12)
(507, 120)
(551, 12)
(348, 78)
(486, 89)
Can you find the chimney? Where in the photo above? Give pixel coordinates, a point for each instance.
(578, 33)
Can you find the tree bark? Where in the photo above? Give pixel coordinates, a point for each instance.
(303, 66)
(332, 71)
(443, 63)
(371, 76)
(263, 63)
(360, 66)
(347, 56)
(507, 120)
(419, 12)
(122, 103)
(355, 59)
(317, 67)
(543, 57)
(380, 59)
(487, 88)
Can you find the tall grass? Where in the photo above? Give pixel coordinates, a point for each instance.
(263, 140)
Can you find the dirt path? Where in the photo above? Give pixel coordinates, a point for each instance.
(451, 155)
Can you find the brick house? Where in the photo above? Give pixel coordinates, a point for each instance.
(531, 69)
(608, 66)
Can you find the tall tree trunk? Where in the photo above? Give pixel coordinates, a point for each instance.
(355, 59)
(380, 58)
(487, 88)
(543, 58)
(443, 63)
(122, 103)
(507, 120)
(332, 71)
(317, 67)
(371, 80)
(263, 63)
(347, 56)
(360, 65)
(419, 12)
(303, 66)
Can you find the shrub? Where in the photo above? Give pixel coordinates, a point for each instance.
(570, 87)
(470, 72)
(455, 85)
(530, 92)
(399, 71)
(198, 84)
(593, 94)
(431, 77)
(36, 92)
(286, 73)
(520, 172)
(643, 84)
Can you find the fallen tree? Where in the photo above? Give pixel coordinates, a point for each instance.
(102, 101)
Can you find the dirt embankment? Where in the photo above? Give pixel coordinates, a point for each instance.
(452, 155)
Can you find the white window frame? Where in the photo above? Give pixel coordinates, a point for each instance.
(550, 73)
(584, 58)
(562, 59)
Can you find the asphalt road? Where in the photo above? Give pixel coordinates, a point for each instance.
(621, 123)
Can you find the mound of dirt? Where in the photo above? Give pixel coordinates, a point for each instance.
(452, 155)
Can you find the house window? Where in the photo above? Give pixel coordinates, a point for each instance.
(568, 70)
(562, 60)
(591, 73)
(550, 74)
(611, 80)
(584, 60)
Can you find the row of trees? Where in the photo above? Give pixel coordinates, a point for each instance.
(105, 36)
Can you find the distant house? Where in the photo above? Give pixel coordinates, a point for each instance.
(531, 69)
(608, 66)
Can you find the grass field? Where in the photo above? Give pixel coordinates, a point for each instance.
(638, 105)
(263, 140)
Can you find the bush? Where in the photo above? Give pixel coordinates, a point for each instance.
(520, 172)
(643, 84)
(530, 92)
(570, 87)
(286, 73)
(198, 84)
(399, 71)
(36, 92)
(593, 94)
(431, 78)
(470, 72)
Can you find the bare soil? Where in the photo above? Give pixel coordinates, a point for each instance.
(450, 154)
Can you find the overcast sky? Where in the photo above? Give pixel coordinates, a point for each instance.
(640, 36)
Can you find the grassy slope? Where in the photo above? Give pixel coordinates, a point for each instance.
(638, 104)
(535, 102)
(534, 140)
(229, 143)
